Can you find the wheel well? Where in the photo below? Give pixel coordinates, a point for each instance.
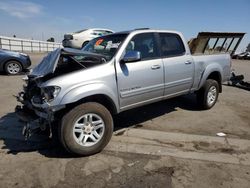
(104, 100)
(85, 43)
(216, 76)
(99, 98)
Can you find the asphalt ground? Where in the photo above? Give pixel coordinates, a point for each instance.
(166, 144)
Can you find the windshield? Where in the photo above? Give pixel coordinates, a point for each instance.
(105, 45)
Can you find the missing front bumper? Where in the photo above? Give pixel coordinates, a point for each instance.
(37, 117)
(33, 123)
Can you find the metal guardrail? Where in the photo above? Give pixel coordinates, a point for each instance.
(26, 45)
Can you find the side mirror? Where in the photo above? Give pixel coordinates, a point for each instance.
(131, 56)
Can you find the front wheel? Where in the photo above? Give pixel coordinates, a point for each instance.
(86, 129)
(13, 67)
(208, 94)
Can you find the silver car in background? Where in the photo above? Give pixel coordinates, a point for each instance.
(80, 38)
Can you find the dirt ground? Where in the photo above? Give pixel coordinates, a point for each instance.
(166, 144)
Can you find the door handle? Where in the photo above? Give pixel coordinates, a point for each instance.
(188, 62)
(155, 67)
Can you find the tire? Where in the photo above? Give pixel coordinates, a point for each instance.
(13, 67)
(85, 43)
(81, 124)
(208, 94)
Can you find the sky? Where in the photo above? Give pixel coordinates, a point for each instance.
(42, 19)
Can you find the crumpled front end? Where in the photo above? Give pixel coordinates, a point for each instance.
(35, 110)
(40, 98)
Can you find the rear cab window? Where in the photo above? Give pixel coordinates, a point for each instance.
(171, 45)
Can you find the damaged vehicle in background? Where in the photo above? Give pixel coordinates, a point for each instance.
(80, 38)
(78, 92)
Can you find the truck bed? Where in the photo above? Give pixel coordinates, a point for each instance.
(217, 62)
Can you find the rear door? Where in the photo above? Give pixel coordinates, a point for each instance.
(142, 81)
(178, 66)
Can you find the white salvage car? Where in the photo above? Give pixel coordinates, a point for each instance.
(80, 38)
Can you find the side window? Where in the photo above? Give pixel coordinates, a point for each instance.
(98, 33)
(106, 32)
(101, 32)
(144, 43)
(171, 45)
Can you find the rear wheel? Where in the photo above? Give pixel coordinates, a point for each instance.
(86, 129)
(13, 67)
(208, 94)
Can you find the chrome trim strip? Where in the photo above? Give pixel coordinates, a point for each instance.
(141, 90)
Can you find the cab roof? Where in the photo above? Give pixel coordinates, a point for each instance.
(146, 30)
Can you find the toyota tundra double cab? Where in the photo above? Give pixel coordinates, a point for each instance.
(77, 92)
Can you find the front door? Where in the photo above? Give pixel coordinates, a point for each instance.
(142, 81)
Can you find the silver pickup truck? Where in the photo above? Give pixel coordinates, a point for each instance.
(77, 92)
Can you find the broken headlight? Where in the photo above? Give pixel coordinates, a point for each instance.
(50, 92)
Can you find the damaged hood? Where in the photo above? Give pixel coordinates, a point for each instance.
(49, 63)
